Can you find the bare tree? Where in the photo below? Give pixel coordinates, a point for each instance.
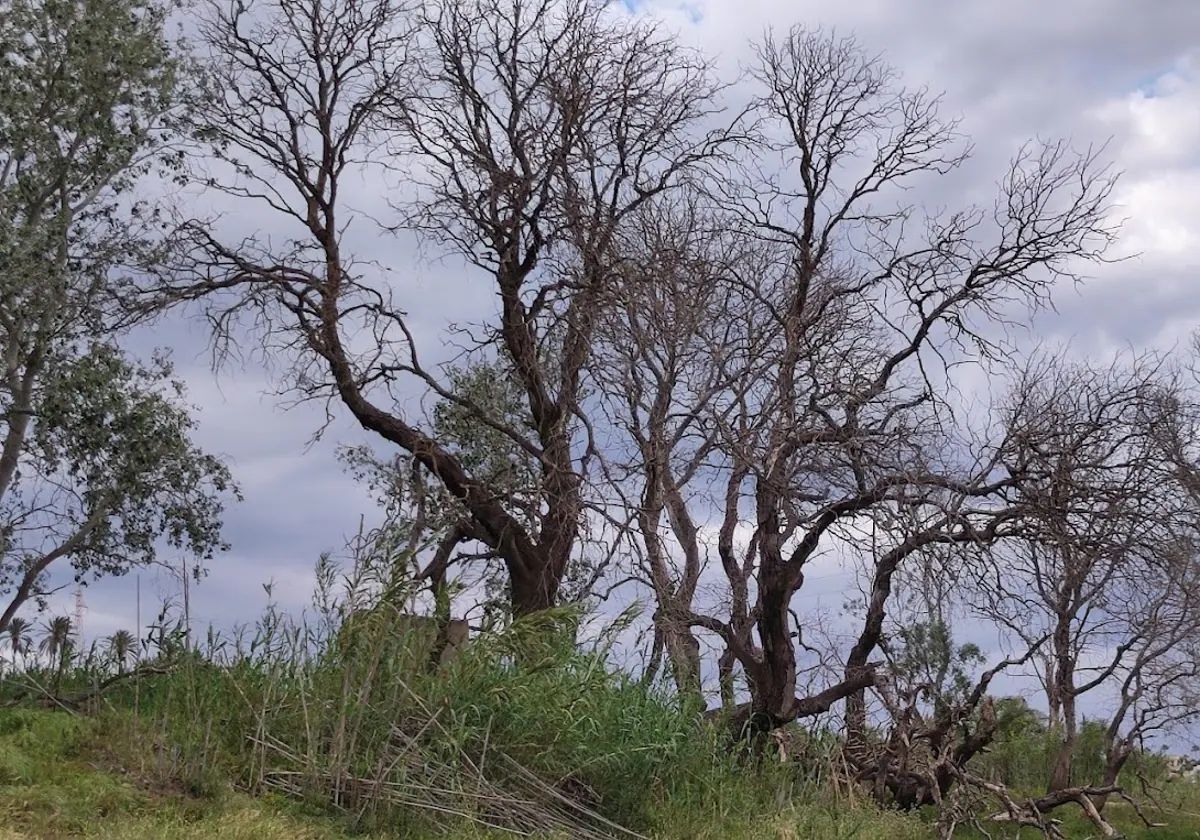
(847, 423)
(528, 131)
(1104, 567)
(1158, 678)
(670, 359)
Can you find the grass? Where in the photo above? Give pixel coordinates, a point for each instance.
(301, 728)
(163, 768)
(58, 780)
(64, 776)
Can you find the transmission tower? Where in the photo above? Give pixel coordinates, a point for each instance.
(79, 608)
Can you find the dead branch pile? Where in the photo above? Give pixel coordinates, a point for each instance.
(487, 788)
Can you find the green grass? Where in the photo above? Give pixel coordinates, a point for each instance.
(209, 748)
(58, 780)
(64, 776)
(163, 770)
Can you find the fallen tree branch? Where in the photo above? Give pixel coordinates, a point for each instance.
(47, 698)
(1137, 808)
(1033, 812)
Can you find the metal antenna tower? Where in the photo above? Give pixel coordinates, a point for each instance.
(79, 609)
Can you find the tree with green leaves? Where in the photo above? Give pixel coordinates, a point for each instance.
(58, 645)
(96, 458)
(925, 656)
(121, 646)
(19, 640)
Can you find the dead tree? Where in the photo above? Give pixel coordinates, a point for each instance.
(524, 134)
(845, 423)
(541, 129)
(669, 360)
(927, 750)
(1105, 560)
(1099, 558)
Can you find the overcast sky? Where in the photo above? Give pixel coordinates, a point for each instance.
(1091, 70)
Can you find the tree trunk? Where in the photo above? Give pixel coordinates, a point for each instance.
(725, 678)
(683, 653)
(1115, 758)
(1060, 774)
(532, 591)
(1061, 690)
(773, 686)
(650, 674)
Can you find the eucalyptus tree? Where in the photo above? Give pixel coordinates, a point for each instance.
(96, 462)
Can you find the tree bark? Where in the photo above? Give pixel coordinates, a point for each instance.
(1060, 774)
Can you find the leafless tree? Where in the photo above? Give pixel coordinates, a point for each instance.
(847, 423)
(526, 132)
(1105, 567)
(1094, 578)
(672, 358)
(1158, 679)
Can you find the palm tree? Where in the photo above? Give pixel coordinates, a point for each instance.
(57, 644)
(18, 637)
(120, 646)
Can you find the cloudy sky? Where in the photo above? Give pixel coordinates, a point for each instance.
(1095, 71)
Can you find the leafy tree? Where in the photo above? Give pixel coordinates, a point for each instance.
(924, 655)
(1020, 754)
(1015, 718)
(57, 644)
(120, 646)
(18, 637)
(96, 461)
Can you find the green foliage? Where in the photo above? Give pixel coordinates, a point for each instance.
(924, 653)
(491, 455)
(485, 423)
(107, 471)
(120, 430)
(83, 83)
(1023, 751)
(97, 462)
(120, 646)
(87, 91)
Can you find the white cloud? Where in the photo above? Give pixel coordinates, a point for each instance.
(1161, 119)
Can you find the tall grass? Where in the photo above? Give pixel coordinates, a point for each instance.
(330, 710)
(339, 709)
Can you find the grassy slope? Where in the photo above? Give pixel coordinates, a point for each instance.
(63, 777)
(70, 777)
